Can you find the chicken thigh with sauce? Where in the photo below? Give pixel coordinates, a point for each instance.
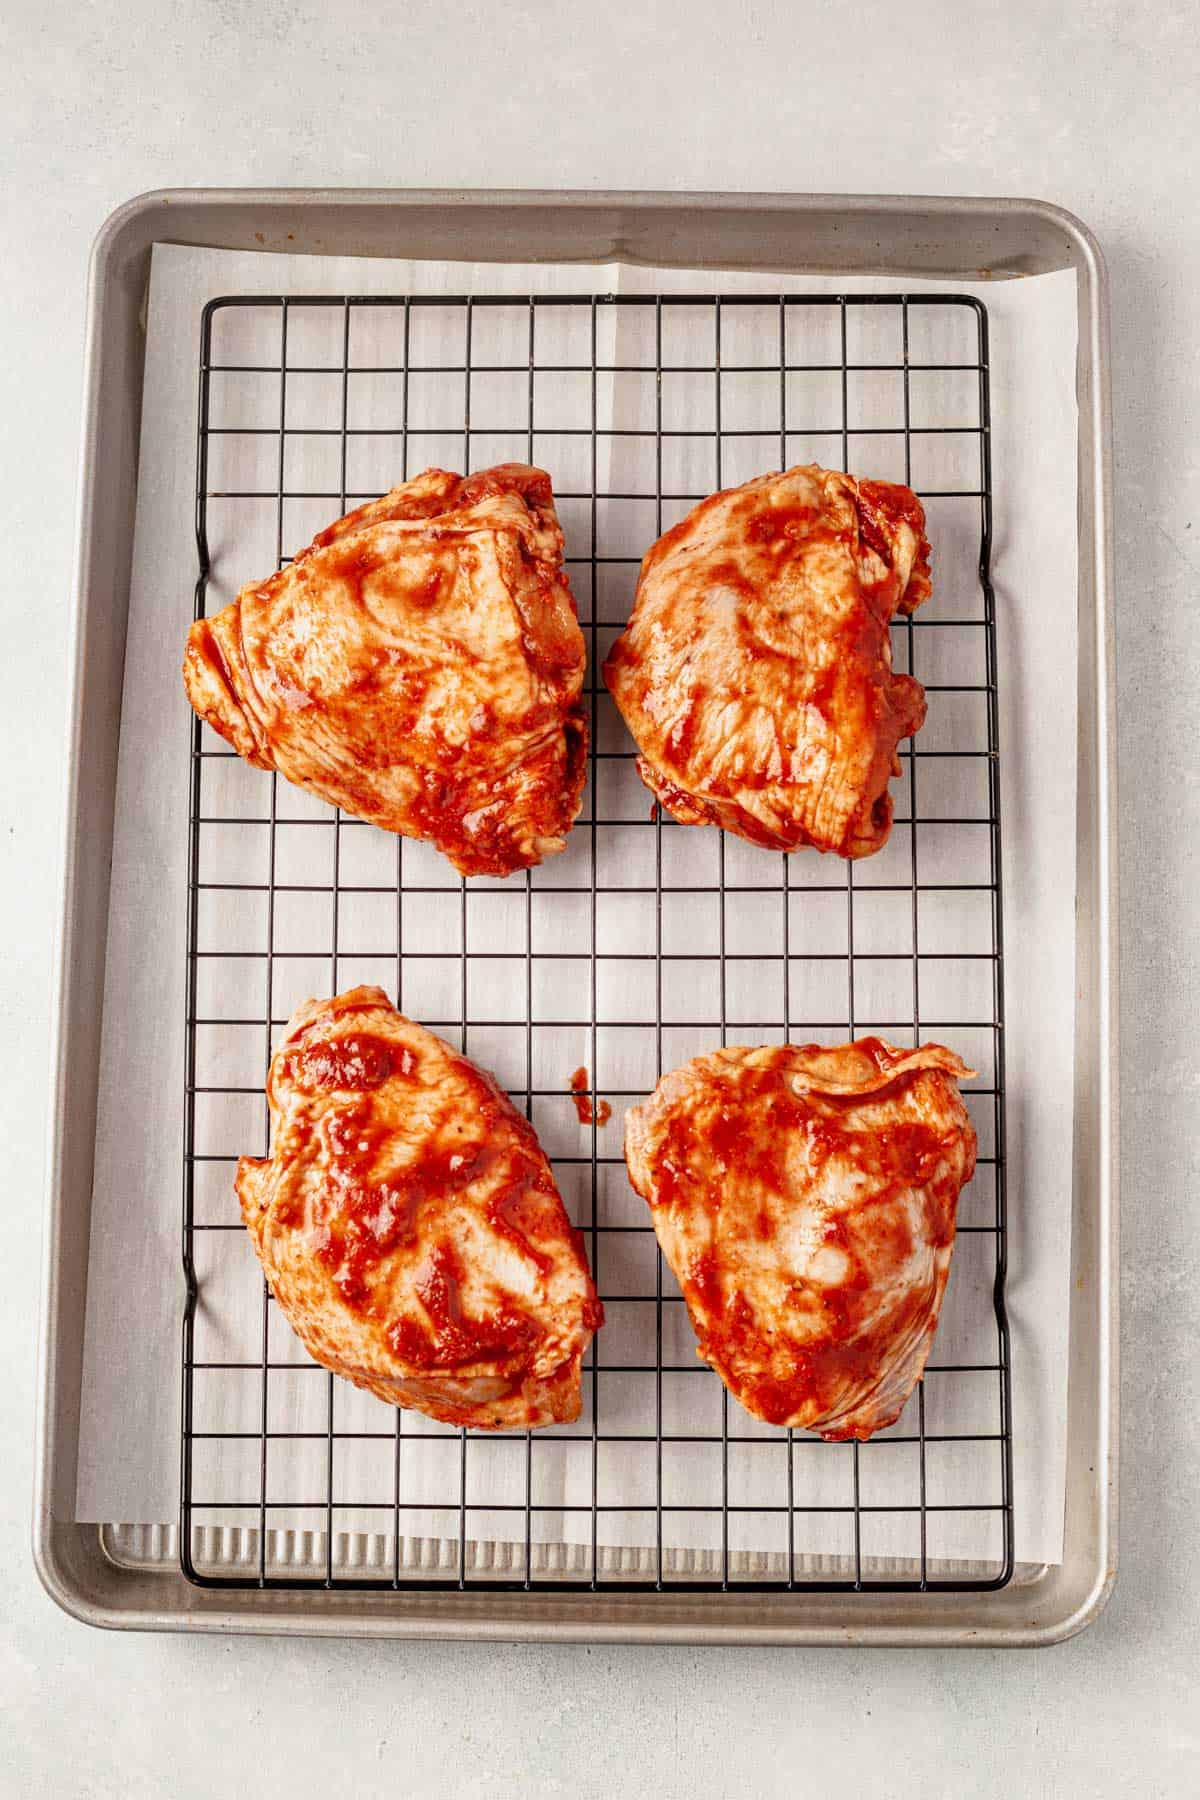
(409, 1226)
(755, 672)
(806, 1200)
(419, 664)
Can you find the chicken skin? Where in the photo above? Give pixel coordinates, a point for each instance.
(755, 671)
(419, 664)
(805, 1199)
(409, 1226)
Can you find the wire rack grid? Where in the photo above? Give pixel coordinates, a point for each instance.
(644, 943)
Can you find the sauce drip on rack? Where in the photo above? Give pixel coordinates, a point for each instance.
(587, 1111)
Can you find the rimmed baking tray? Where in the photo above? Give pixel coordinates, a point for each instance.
(118, 1583)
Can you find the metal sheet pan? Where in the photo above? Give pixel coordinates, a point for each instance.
(97, 1574)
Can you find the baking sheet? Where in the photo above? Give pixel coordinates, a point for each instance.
(128, 1467)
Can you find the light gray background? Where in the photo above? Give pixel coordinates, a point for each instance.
(1093, 106)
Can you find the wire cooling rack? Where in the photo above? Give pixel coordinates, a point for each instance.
(643, 944)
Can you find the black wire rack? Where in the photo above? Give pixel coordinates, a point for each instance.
(644, 943)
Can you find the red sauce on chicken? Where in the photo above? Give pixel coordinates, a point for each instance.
(409, 1225)
(805, 1198)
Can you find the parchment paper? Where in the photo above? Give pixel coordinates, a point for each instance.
(130, 1430)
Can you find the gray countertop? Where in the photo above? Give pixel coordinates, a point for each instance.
(1092, 107)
